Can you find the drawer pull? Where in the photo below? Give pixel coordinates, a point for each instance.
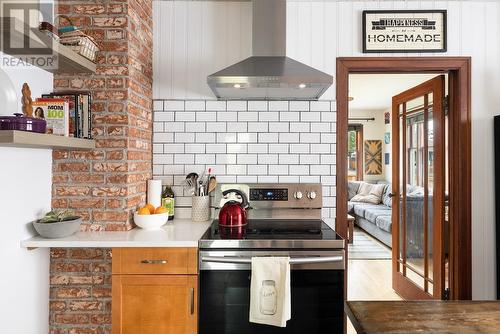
(191, 300)
(154, 261)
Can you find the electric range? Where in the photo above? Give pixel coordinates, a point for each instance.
(283, 220)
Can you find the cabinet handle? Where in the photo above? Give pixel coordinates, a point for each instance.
(154, 261)
(191, 300)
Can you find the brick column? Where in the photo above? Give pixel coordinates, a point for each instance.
(105, 185)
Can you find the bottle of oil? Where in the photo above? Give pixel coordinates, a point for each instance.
(168, 201)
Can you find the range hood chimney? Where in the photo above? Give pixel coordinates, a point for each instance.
(269, 74)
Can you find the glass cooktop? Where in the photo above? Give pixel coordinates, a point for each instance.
(273, 233)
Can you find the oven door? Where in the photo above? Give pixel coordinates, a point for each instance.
(317, 292)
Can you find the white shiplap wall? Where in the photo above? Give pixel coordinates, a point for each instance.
(195, 38)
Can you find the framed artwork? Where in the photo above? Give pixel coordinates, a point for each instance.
(387, 118)
(404, 31)
(387, 138)
(373, 157)
(387, 158)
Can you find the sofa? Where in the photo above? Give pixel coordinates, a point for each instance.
(374, 214)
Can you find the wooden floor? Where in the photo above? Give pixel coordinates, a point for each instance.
(369, 280)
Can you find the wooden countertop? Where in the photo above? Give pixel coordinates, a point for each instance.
(437, 317)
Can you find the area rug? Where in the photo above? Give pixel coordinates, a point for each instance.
(366, 247)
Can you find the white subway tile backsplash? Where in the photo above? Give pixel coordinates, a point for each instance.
(158, 127)
(300, 127)
(289, 138)
(215, 148)
(237, 105)
(174, 148)
(184, 137)
(163, 116)
(173, 105)
(236, 148)
(299, 105)
(279, 127)
(246, 141)
(248, 116)
(163, 137)
(333, 105)
(257, 148)
(185, 116)
(194, 105)
(258, 127)
(216, 126)
(195, 148)
(289, 116)
(227, 116)
(320, 105)
(267, 137)
(216, 105)
(257, 105)
(158, 105)
(278, 105)
(247, 137)
(237, 127)
(320, 127)
(267, 159)
(226, 137)
(236, 169)
(206, 116)
(312, 116)
(268, 116)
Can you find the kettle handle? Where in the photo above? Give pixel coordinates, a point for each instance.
(244, 200)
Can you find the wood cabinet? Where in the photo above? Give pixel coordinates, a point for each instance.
(155, 291)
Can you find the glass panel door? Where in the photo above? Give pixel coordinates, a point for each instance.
(418, 121)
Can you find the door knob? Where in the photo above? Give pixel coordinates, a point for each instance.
(391, 195)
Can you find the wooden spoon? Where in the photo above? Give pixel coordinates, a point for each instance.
(212, 184)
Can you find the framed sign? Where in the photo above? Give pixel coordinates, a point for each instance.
(404, 31)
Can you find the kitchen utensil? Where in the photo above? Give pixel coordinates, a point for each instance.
(212, 184)
(151, 222)
(22, 123)
(233, 213)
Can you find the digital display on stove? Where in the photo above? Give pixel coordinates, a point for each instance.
(269, 194)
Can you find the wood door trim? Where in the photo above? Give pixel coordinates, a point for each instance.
(459, 70)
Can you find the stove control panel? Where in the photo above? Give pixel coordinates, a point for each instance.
(276, 194)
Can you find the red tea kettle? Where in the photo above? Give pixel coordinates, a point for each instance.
(233, 213)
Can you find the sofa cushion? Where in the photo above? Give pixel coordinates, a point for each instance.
(350, 207)
(386, 199)
(352, 189)
(369, 193)
(372, 213)
(360, 208)
(384, 223)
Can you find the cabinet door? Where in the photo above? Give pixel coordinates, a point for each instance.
(154, 304)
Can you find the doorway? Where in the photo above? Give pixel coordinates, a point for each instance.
(458, 211)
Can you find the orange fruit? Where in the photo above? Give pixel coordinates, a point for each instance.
(161, 209)
(150, 207)
(144, 211)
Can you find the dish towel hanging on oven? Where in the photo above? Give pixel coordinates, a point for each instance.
(270, 302)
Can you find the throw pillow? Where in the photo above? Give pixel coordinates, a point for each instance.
(352, 189)
(369, 193)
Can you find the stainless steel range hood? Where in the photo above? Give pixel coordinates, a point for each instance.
(269, 74)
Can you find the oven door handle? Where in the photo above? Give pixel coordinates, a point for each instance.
(301, 260)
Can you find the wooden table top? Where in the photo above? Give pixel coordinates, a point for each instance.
(437, 317)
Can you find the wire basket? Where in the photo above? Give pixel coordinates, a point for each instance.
(79, 41)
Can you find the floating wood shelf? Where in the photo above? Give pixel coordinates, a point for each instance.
(68, 61)
(13, 138)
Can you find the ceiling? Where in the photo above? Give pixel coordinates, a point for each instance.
(375, 91)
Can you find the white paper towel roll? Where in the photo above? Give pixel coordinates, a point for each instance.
(154, 192)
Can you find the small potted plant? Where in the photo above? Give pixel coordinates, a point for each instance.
(58, 224)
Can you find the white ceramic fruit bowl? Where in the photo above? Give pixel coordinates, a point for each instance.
(151, 222)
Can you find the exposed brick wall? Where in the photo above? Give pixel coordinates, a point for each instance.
(105, 185)
(80, 291)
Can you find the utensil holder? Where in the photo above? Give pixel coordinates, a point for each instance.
(200, 210)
